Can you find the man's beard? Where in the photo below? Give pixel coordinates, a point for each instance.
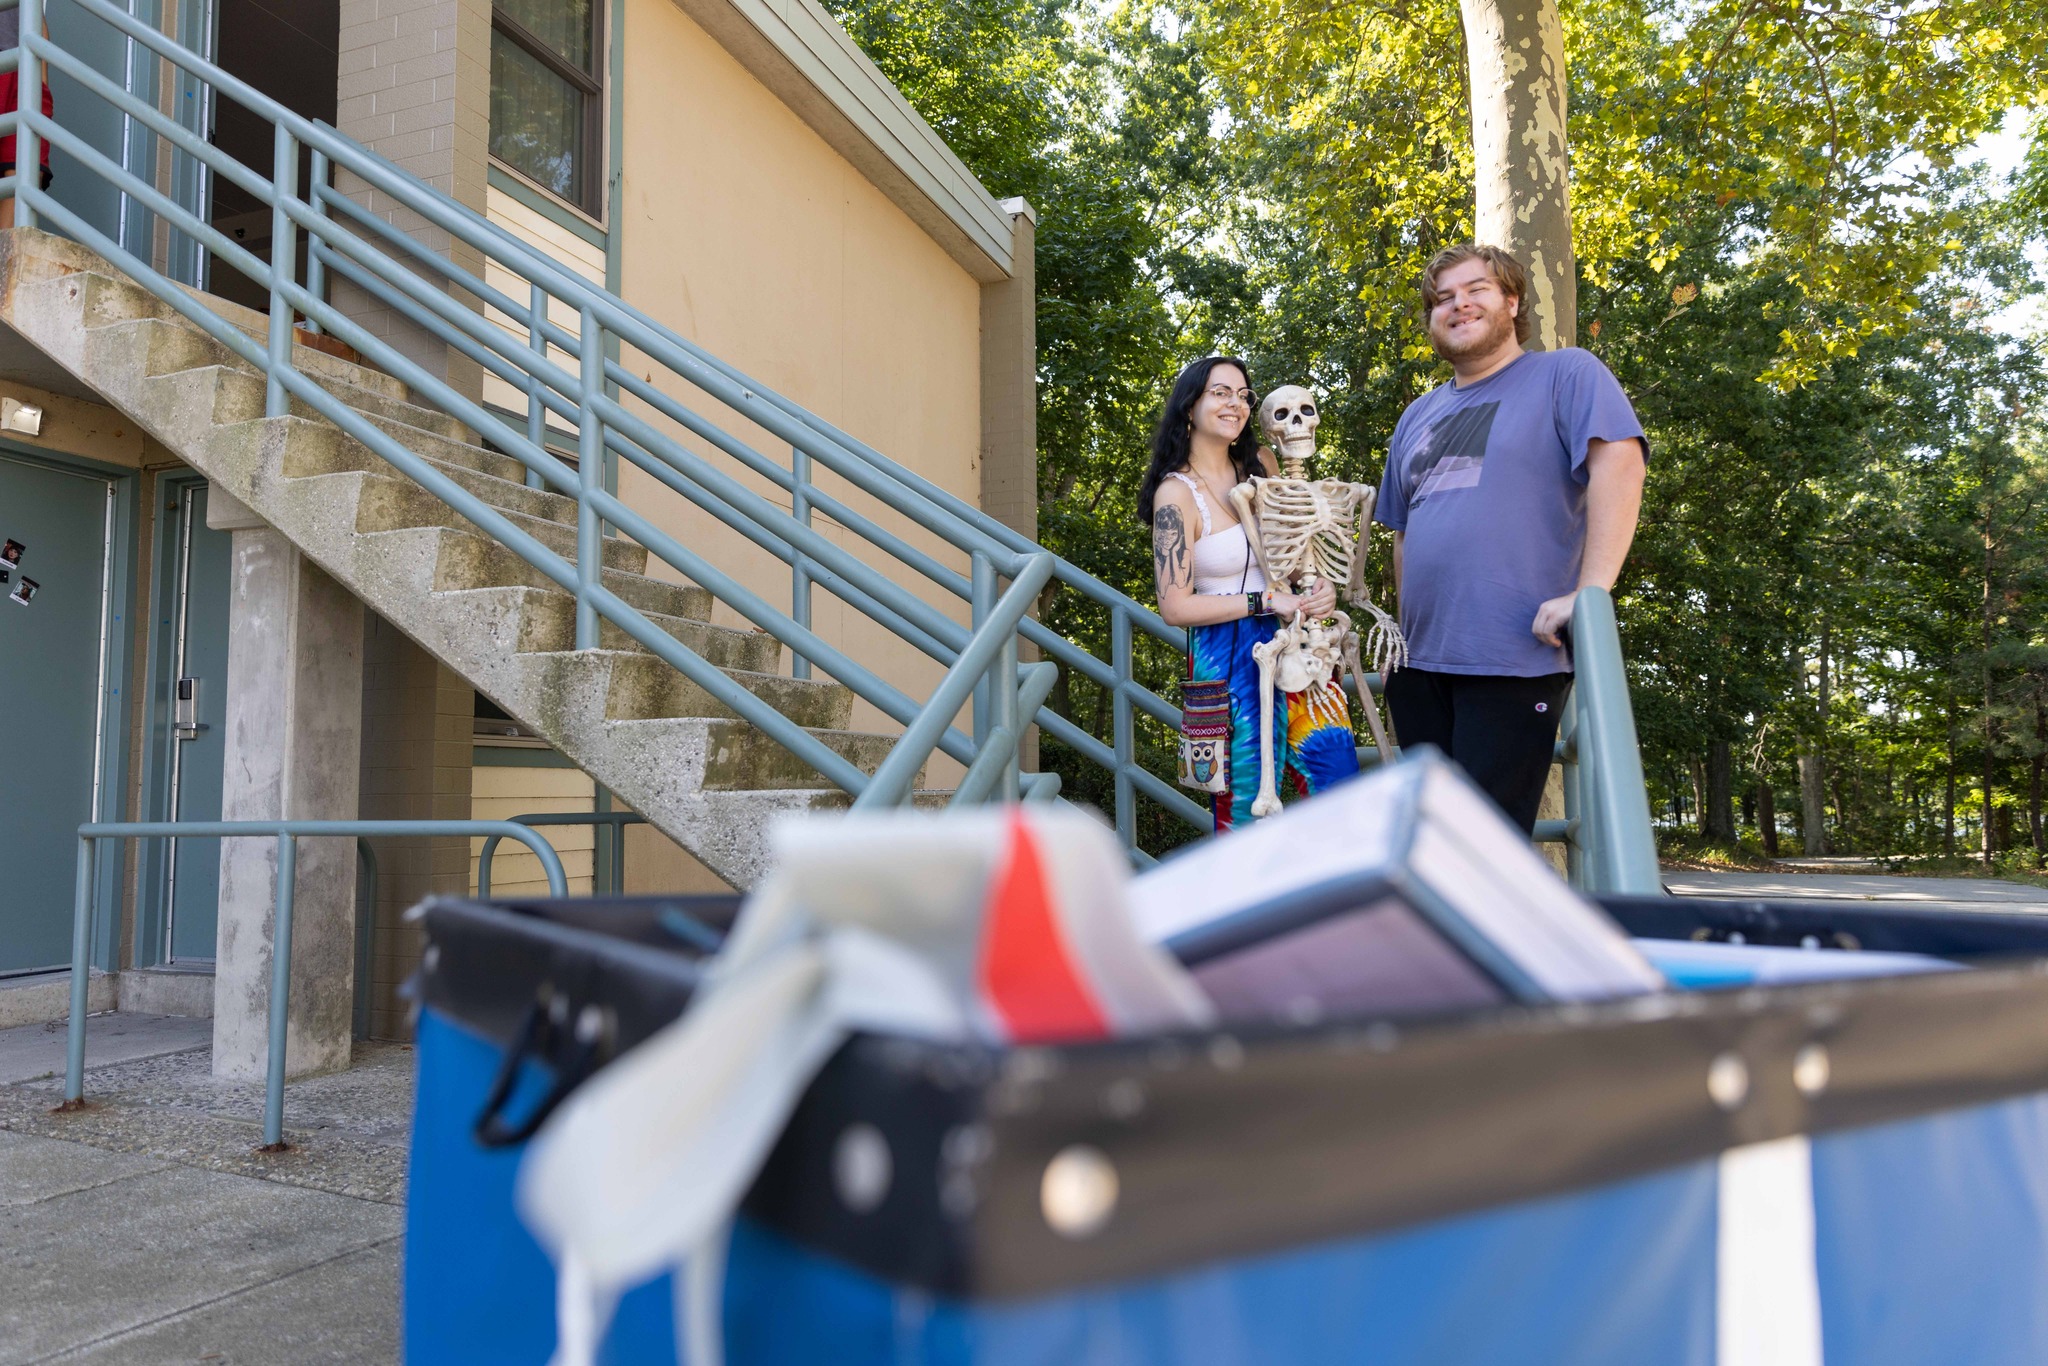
(1500, 327)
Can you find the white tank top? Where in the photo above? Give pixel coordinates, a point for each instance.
(1222, 560)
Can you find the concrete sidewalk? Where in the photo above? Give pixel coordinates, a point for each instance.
(1925, 893)
(146, 1228)
(121, 1258)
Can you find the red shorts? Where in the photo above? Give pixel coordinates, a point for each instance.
(10, 95)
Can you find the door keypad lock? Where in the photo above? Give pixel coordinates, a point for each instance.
(185, 720)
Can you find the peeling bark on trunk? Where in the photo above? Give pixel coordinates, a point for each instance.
(1812, 800)
(1698, 772)
(1719, 821)
(1522, 182)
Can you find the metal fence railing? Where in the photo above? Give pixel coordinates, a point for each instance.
(287, 834)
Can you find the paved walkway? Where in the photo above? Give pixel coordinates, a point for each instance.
(146, 1228)
(1927, 893)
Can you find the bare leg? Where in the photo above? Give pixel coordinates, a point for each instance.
(1268, 801)
(1365, 697)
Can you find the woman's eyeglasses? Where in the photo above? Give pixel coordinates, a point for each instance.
(1223, 393)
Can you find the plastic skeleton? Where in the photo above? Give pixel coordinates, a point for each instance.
(1308, 530)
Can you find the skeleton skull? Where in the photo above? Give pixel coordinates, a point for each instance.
(1288, 419)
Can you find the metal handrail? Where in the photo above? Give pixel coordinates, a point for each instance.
(1613, 849)
(287, 834)
(617, 820)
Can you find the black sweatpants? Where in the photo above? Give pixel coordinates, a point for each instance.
(1502, 730)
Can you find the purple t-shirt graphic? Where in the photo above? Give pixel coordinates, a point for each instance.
(1489, 483)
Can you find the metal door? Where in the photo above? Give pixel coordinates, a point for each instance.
(53, 652)
(197, 688)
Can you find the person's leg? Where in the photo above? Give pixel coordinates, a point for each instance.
(1322, 749)
(1225, 651)
(1506, 730)
(1419, 705)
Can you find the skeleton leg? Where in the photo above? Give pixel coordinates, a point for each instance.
(1267, 655)
(1365, 698)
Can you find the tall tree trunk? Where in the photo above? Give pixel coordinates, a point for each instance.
(1767, 815)
(1948, 796)
(1987, 623)
(1699, 795)
(1718, 821)
(1522, 201)
(1812, 819)
(1990, 844)
(2034, 777)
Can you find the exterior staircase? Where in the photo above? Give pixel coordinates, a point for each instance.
(662, 743)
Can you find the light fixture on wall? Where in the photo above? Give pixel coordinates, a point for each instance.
(16, 416)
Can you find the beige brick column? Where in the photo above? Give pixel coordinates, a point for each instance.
(418, 715)
(1009, 400)
(1009, 382)
(415, 88)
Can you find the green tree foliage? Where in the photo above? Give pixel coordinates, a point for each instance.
(1843, 551)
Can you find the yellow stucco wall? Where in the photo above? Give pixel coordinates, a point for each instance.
(745, 232)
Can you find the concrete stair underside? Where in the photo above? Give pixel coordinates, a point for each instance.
(630, 720)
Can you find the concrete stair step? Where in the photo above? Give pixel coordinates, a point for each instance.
(639, 687)
(467, 559)
(743, 759)
(390, 504)
(548, 624)
(174, 346)
(114, 298)
(317, 446)
(168, 345)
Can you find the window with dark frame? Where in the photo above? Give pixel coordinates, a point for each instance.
(547, 96)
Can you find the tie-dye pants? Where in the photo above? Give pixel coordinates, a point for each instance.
(1310, 753)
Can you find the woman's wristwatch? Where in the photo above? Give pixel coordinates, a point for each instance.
(1254, 604)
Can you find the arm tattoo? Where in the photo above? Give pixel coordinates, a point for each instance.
(1169, 549)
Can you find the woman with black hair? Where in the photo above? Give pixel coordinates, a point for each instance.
(1210, 582)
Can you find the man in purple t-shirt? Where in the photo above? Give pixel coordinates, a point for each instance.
(1507, 490)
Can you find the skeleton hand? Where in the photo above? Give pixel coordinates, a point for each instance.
(1318, 602)
(1552, 618)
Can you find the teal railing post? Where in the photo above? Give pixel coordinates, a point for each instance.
(799, 567)
(366, 932)
(28, 144)
(590, 481)
(1623, 851)
(280, 991)
(1008, 718)
(537, 342)
(284, 258)
(1581, 829)
(316, 265)
(981, 602)
(1123, 742)
(81, 973)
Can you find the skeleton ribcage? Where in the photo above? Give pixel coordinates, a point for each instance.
(1309, 528)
